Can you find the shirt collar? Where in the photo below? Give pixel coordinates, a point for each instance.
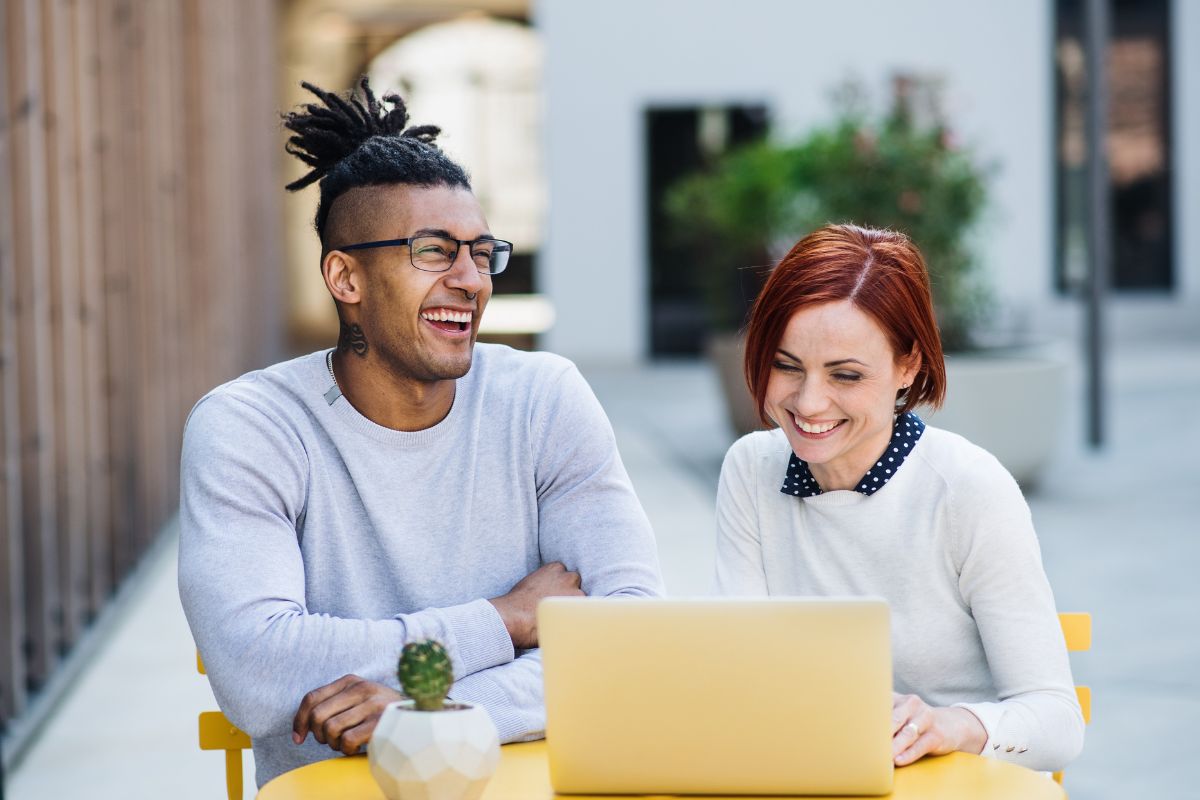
(906, 432)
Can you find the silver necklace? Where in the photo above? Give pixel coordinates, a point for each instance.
(335, 391)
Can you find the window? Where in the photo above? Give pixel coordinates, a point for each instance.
(1139, 123)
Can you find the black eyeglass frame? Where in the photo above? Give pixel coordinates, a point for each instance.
(504, 244)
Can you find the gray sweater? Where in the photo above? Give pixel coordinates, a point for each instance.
(949, 543)
(315, 543)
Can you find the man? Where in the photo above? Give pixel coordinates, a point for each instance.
(406, 485)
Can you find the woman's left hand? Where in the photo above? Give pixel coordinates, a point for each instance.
(919, 729)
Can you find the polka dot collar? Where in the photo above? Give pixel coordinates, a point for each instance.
(906, 431)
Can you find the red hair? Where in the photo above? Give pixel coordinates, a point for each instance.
(882, 273)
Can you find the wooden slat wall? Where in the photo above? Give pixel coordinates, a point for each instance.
(92, 311)
(12, 584)
(69, 457)
(35, 357)
(139, 266)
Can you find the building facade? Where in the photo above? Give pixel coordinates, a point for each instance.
(610, 66)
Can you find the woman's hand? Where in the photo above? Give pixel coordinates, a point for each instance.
(919, 729)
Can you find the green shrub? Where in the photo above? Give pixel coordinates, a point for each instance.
(894, 171)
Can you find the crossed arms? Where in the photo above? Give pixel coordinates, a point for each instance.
(299, 589)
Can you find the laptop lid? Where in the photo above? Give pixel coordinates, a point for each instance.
(717, 696)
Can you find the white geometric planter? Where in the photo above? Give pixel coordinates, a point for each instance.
(433, 755)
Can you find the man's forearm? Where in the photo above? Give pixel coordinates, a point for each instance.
(260, 672)
(511, 694)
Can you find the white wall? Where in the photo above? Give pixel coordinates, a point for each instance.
(607, 62)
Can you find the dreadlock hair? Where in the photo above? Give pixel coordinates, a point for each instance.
(355, 142)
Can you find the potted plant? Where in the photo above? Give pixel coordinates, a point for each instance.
(901, 170)
(425, 748)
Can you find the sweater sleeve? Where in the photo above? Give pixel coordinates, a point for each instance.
(242, 579)
(1036, 721)
(512, 695)
(588, 518)
(739, 561)
(588, 515)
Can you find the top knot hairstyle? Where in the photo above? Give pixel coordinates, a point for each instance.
(352, 142)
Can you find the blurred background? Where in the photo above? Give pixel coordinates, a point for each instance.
(650, 160)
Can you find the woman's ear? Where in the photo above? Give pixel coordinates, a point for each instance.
(910, 365)
(342, 277)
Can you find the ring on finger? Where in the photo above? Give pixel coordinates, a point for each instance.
(912, 726)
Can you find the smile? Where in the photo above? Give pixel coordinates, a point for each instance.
(815, 429)
(448, 320)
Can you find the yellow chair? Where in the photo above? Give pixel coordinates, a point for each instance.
(218, 733)
(1077, 631)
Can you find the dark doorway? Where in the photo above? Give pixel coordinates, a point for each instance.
(680, 141)
(1139, 145)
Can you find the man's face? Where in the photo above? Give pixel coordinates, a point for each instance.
(422, 325)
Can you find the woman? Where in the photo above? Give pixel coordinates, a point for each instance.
(852, 495)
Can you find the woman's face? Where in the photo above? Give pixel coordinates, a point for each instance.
(833, 389)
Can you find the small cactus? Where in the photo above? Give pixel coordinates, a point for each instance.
(425, 674)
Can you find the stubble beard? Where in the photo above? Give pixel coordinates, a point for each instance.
(415, 362)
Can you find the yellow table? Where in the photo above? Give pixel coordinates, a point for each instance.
(523, 775)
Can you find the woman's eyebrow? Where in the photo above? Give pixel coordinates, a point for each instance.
(828, 364)
(781, 351)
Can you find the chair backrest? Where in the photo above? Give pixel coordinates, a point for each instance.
(1077, 632)
(218, 733)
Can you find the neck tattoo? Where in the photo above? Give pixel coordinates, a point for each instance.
(352, 338)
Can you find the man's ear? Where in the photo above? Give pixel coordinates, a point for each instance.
(343, 277)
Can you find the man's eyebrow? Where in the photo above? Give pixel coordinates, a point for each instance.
(445, 234)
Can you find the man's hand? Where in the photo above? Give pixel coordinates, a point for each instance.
(518, 608)
(342, 714)
(919, 729)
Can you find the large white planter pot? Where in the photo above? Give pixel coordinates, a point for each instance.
(433, 755)
(1009, 402)
(727, 351)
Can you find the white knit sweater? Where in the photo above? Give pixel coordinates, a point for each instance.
(950, 545)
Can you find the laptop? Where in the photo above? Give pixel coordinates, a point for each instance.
(717, 696)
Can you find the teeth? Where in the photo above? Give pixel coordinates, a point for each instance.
(446, 315)
(804, 426)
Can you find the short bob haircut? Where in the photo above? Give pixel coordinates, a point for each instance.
(880, 272)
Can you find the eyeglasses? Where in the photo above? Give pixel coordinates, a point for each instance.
(437, 253)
